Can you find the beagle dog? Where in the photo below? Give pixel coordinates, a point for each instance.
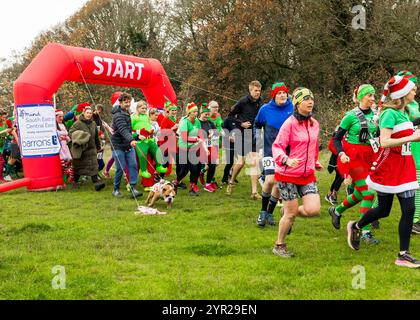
(162, 190)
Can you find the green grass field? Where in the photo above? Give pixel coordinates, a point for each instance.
(206, 248)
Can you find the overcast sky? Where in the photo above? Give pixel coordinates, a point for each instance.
(22, 20)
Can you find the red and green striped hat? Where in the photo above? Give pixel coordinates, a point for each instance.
(191, 107)
(277, 87)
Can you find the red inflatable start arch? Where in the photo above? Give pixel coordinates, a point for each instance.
(33, 93)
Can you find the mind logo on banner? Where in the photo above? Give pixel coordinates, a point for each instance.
(37, 131)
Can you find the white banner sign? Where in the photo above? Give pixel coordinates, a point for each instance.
(37, 131)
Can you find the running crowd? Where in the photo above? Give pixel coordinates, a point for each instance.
(375, 151)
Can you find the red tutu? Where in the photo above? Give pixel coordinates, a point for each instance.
(361, 159)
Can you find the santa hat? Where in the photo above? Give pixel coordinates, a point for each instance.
(408, 75)
(362, 92)
(59, 112)
(114, 98)
(81, 107)
(191, 107)
(277, 87)
(398, 87)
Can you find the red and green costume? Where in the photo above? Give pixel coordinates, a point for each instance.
(361, 157)
(166, 128)
(383, 176)
(140, 124)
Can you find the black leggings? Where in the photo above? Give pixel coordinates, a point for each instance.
(211, 172)
(383, 210)
(338, 181)
(193, 169)
(185, 165)
(230, 153)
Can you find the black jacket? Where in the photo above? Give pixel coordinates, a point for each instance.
(245, 110)
(121, 124)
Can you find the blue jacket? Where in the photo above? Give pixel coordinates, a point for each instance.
(271, 117)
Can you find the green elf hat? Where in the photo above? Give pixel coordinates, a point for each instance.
(167, 104)
(277, 87)
(205, 108)
(173, 107)
(191, 107)
(408, 75)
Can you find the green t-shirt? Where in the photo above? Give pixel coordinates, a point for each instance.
(415, 146)
(185, 125)
(391, 118)
(351, 124)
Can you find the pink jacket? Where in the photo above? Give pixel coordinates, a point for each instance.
(303, 144)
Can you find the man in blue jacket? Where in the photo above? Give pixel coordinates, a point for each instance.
(270, 118)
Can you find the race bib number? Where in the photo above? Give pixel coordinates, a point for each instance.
(374, 143)
(100, 156)
(268, 163)
(406, 149)
(209, 143)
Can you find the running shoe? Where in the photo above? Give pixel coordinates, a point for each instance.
(353, 236)
(269, 217)
(215, 186)
(416, 228)
(209, 188)
(99, 186)
(261, 221)
(407, 260)
(135, 193)
(193, 190)
(117, 194)
(182, 186)
(368, 238)
(331, 198)
(8, 178)
(335, 219)
(282, 251)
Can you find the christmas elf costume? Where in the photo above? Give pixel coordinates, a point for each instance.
(361, 154)
(141, 126)
(415, 146)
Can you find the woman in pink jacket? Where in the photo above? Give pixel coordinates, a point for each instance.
(295, 153)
